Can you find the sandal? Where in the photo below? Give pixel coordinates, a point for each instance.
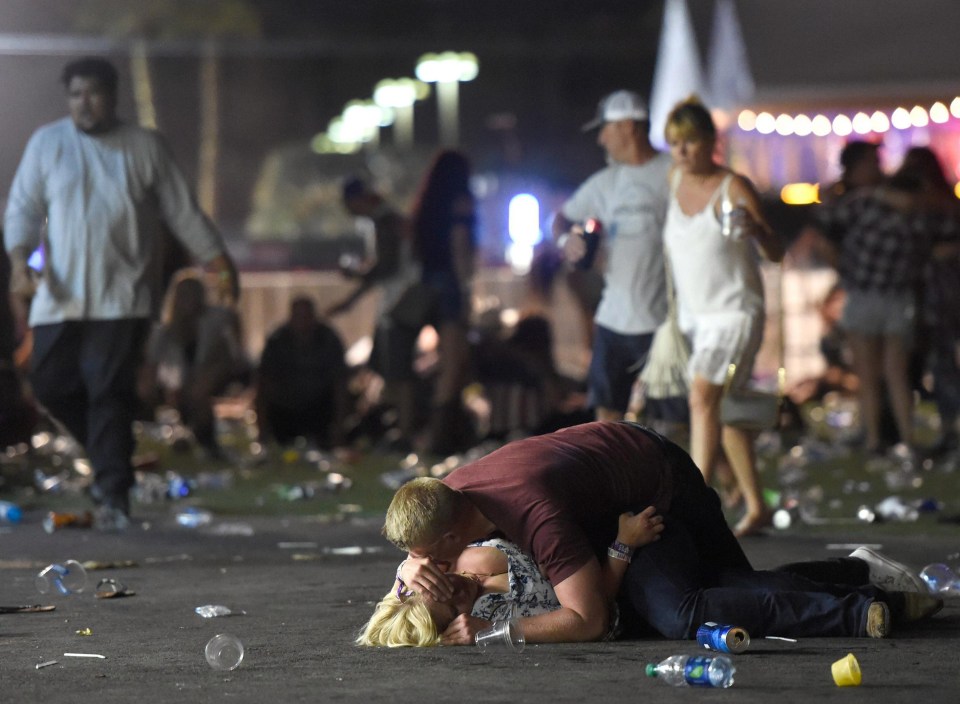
(109, 588)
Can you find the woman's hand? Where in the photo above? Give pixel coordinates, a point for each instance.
(426, 577)
(640, 529)
(463, 630)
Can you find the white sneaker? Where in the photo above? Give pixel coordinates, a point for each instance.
(890, 575)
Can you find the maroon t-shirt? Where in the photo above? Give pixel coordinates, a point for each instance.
(559, 496)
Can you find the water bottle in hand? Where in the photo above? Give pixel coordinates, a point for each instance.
(734, 219)
(694, 671)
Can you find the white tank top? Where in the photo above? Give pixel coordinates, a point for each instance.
(712, 273)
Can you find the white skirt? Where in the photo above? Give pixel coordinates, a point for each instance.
(718, 340)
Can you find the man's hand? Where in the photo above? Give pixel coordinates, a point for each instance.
(574, 245)
(22, 282)
(426, 577)
(640, 529)
(463, 630)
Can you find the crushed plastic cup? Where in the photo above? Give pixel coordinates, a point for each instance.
(213, 611)
(68, 578)
(224, 652)
(846, 671)
(504, 635)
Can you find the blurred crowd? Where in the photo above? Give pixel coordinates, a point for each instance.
(680, 240)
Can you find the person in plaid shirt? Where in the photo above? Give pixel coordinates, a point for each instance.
(884, 236)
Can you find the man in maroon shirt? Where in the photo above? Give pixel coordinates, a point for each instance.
(558, 497)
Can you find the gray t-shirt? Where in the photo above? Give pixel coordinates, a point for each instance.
(631, 202)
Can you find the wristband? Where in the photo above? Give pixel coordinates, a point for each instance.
(402, 590)
(617, 555)
(621, 547)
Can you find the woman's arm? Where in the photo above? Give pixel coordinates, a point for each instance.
(756, 226)
(635, 531)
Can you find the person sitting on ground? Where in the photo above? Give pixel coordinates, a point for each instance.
(558, 496)
(192, 355)
(301, 382)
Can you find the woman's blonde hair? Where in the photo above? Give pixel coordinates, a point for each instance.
(400, 623)
(690, 118)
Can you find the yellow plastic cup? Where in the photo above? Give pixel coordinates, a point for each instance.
(846, 671)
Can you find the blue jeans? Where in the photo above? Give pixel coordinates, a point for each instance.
(698, 572)
(84, 373)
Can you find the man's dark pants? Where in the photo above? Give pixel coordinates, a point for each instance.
(84, 373)
(698, 572)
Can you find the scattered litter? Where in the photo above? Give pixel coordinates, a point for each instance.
(48, 663)
(29, 609)
(65, 579)
(240, 529)
(295, 546)
(110, 588)
(224, 652)
(217, 610)
(85, 632)
(92, 565)
(193, 517)
(85, 655)
(783, 638)
(55, 521)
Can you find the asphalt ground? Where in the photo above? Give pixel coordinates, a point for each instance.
(307, 583)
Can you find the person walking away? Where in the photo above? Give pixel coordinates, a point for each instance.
(94, 190)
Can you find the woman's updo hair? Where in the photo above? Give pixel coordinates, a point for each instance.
(689, 119)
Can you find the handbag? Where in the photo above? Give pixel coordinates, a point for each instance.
(751, 409)
(665, 373)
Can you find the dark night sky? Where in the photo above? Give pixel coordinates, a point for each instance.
(545, 62)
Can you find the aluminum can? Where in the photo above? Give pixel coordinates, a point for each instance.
(592, 229)
(723, 638)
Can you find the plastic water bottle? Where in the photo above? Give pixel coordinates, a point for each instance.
(694, 671)
(192, 517)
(10, 512)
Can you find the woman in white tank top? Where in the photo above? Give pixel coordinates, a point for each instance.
(719, 292)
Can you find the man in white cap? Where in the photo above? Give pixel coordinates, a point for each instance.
(629, 198)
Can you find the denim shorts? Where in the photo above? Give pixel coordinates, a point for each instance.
(874, 313)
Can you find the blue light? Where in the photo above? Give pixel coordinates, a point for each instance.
(524, 220)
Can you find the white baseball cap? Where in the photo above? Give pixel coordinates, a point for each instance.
(619, 105)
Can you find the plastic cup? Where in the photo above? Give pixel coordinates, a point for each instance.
(846, 671)
(65, 579)
(224, 652)
(503, 635)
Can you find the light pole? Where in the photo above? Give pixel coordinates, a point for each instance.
(366, 118)
(448, 70)
(399, 95)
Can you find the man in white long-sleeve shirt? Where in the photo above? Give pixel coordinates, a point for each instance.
(94, 191)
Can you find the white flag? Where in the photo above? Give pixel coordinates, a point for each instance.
(678, 73)
(731, 83)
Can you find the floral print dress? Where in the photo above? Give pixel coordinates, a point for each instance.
(530, 592)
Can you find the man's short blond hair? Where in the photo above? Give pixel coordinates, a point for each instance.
(400, 623)
(421, 511)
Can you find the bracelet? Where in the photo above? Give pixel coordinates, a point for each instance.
(622, 547)
(402, 590)
(617, 555)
